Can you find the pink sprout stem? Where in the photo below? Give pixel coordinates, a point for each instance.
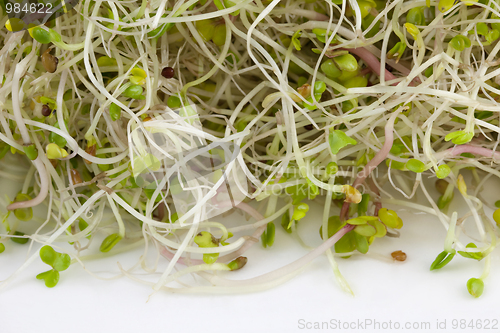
(379, 157)
(373, 187)
(457, 150)
(372, 62)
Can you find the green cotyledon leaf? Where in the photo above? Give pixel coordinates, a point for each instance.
(338, 140)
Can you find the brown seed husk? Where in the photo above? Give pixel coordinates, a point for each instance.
(49, 61)
(398, 255)
(75, 177)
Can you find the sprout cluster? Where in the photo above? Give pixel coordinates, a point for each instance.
(333, 102)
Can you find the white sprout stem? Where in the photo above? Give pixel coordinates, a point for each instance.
(295, 265)
(42, 172)
(329, 254)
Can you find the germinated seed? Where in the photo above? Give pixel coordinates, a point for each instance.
(49, 61)
(75, 177)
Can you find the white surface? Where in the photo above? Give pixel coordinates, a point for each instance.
(385, 291)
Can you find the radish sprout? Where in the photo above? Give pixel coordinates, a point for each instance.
(146, 123)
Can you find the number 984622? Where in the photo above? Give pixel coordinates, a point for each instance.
(28, 8)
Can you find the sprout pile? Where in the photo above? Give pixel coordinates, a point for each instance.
(337, 104)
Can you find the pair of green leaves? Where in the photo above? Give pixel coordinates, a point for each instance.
(58, 261)
(44, 36)
(412, 30)
(339, 64)
(206, 28)
(223, 4)
(418, 166)
(442, 260)
(209, 30)
(368, 226)
(492, 36)
(350, 241)
(134, 91)
(138, 76)
(416, 16)
(459, 137)
(109, 242)
(319, 88)
(475, 287)
(472, 255)
(390, 218)
(445, 257)
(489, 35)
(460, 42)
(54, 152)
(299, 212)
(295, 40)
(268, 235)
(397, 51)
(205, 239)
(366, 229)
(443, 171)
(321, 35)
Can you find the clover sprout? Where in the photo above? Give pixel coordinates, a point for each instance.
(331, 101)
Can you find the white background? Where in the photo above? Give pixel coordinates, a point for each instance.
(403, 292)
